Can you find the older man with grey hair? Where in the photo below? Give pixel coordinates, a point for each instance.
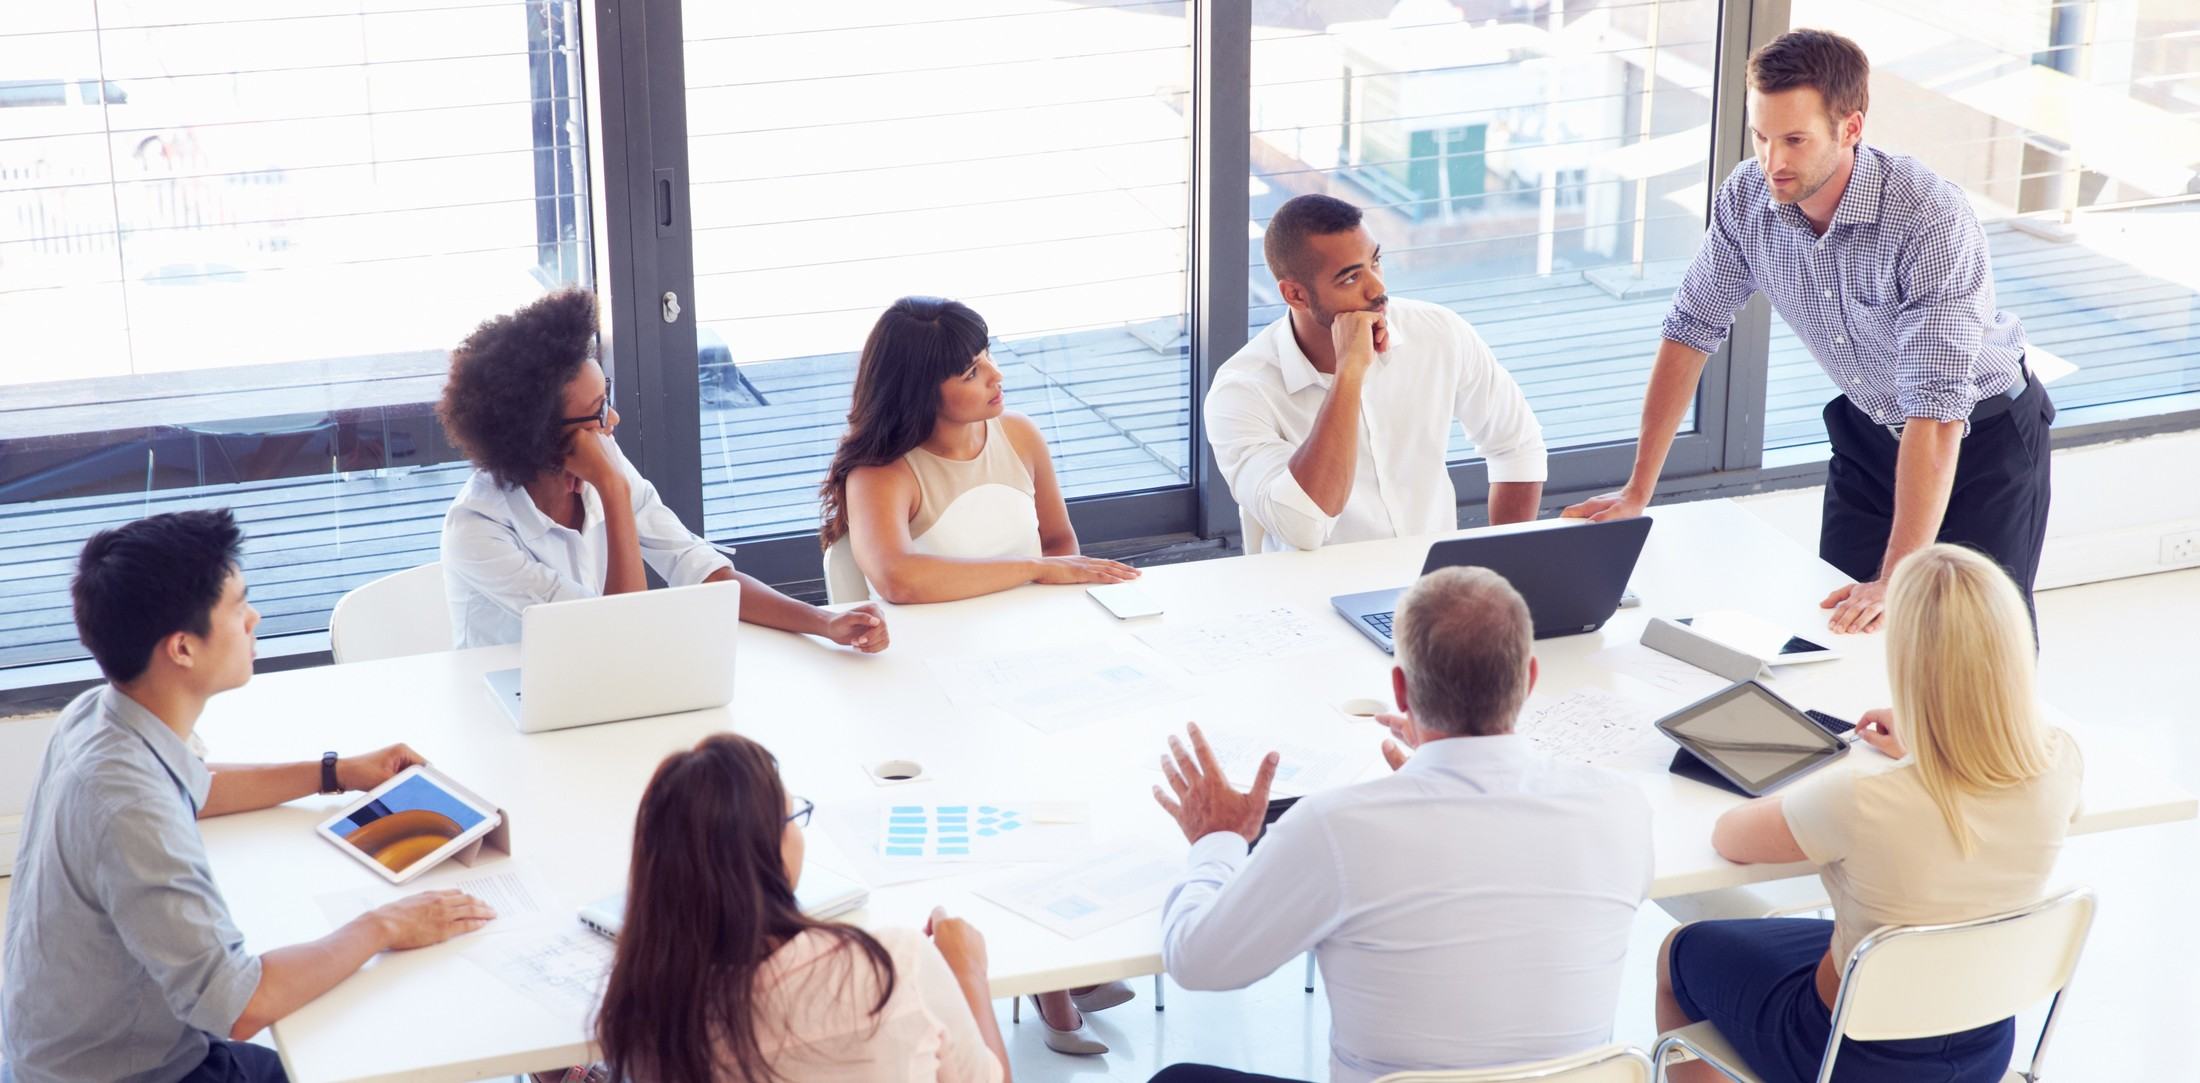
(1471, 909)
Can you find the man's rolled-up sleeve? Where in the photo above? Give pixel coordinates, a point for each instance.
(1255, 460)
(1495, 412)
(1718, 281)
(1947, 301)
(151, 879)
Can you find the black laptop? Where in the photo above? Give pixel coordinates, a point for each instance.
(1571, 572)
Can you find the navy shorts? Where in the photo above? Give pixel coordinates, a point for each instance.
(1756, 980)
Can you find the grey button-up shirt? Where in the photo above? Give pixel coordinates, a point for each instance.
(122, 957)
(1896, 300)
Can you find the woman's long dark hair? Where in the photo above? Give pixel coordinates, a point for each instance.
(916, 343)
(707, 902)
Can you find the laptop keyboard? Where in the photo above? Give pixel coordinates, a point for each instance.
(1378, 621)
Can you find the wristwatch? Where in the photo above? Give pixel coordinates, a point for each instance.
(328, 773)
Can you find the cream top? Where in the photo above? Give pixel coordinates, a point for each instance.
(1887, 857)
(977, 509)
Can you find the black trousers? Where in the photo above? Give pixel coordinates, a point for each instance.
(1201, 1073)
(1998, 504)
(238, 1062)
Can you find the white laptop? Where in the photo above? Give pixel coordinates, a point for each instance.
(621, 656)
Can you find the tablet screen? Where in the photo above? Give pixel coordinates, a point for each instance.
(407, 822)
(1752, 736)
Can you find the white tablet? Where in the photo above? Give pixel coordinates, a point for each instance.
(1761, 639)
(408, 825)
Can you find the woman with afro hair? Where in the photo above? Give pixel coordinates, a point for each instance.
(553, 511)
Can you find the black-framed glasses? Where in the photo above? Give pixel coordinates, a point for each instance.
(602, 416)
(803, 807)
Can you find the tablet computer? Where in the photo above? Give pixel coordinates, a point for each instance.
(1752, 738)
(408, 825)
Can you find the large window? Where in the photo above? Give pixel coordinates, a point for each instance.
(1539, 168)
(2074, 126)
(1026, 157)
(239, 237)
(236, 243)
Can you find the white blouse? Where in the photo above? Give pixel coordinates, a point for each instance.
(501, 554)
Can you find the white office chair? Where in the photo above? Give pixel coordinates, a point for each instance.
(1249, 532)
(399, 614)
(1921, 981)
(1611, 1064)
(844, 580)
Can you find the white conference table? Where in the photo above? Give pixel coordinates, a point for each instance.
(827, 713)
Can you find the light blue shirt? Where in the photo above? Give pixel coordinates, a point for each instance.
(121, 955)
(1471, 909)
(1896, 300)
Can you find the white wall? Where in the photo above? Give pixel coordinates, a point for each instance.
(2114, 504)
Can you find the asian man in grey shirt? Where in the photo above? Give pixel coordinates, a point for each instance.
(122, 961)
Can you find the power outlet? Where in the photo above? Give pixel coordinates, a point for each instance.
(2179, 550)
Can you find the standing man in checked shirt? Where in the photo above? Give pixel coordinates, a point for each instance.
(1880, 267)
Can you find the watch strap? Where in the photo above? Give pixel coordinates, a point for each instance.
(328, 773)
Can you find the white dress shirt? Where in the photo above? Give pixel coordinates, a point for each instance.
(501, 554)
(1262, 407)
(1471, 909)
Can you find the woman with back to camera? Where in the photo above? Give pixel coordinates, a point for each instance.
(719, 977)
(941, 492)
(1965, 825)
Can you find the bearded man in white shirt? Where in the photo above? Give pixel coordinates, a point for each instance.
(1469, 910)
(1331, 424)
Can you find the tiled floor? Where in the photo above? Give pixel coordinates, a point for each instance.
(2125, 655)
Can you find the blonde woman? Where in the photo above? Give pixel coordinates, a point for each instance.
(1966, 823)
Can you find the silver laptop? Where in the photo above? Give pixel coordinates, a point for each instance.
(1571, 573)
(621, 656)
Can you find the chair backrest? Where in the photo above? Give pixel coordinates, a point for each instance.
(1252, 537)
(1611, 1064)
(399, 614)
(844, 580)
(1919, 981)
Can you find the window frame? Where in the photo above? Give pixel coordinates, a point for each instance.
(635, 99)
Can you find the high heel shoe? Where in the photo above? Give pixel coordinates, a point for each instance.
(1077, 1041)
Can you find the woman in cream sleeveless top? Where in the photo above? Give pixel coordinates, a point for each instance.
(978, 509)
(938, 492)
(941, 494)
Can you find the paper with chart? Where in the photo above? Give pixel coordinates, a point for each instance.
(923, 833)
(1056, 688)
(514, 889)
(1216, 645)
(1090, 895)
(1587, 726)
(561, 967)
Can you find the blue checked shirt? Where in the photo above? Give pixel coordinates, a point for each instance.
(1896, 301)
